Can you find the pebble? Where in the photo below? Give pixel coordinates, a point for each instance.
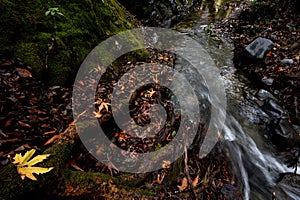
(267, 81)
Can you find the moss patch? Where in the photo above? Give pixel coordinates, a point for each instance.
(26, 32)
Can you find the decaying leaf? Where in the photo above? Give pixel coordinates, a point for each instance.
(195, 181)
(160, 178)
(166, 164)
(25, 166)
(23, 72)
(184, 184)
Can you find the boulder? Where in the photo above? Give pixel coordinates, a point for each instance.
(259, 47)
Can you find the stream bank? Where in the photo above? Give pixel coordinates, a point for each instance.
(278, 72)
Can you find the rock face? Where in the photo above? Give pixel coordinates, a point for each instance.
(27, 33)
(259, 47)
(159, 12)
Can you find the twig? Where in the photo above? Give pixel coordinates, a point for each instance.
(49, 51)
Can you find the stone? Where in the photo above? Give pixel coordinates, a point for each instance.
(287, 61)
(273, 109)
(259, 47)
(290, 179)
(267, 81)
(285, 136)
(264, 95)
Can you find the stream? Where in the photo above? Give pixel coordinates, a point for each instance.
(255, 160)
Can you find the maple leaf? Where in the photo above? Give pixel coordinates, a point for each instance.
(25, 166)
(151, 92)
(98, 114)
(102, 105)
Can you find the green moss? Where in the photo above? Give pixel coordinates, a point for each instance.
(26, 32)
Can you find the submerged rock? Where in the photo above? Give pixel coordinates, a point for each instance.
(259, 47)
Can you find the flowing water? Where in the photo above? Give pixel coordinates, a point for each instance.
(255, 160)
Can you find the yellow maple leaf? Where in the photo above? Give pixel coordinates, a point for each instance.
(25, 165)
(151, 92)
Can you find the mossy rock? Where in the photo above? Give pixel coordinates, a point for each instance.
(26, 33)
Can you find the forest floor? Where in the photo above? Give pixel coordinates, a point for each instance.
(33, 116)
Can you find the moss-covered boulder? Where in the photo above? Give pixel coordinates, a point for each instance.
(55, 45)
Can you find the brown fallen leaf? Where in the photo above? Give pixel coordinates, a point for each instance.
(51, 140)
(160, 178)
(184, 184)
(8, 122)
(23, 72)
(23, 124)
(51, 132)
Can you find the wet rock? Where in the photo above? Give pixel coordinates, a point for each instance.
(259, 47)
(272, 108)
(267, 81)
(290, 179)
(285, 136)
(286, 61)
(264, 95)
(159, 12)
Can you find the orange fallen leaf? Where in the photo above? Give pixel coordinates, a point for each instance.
(184, 184)
(195, 181)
